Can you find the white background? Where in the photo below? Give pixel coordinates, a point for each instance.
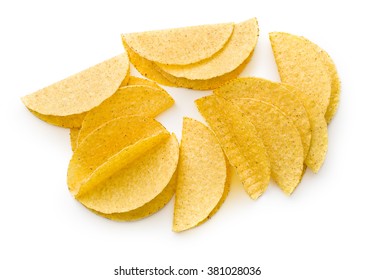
(323, 231)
